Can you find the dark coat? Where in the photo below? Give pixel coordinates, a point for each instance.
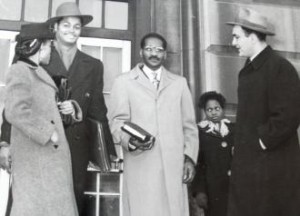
(85, 77)
(266, 182)
(213, 169)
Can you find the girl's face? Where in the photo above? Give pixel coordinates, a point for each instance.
(45, 52)
(214, 111)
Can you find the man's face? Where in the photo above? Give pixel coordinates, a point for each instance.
(153, 53)
(68, 30)
(242, 42)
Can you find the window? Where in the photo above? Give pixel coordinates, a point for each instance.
(103, 11)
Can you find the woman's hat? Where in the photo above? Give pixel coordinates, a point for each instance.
(70, 9)
(35, 31)
(253, 20)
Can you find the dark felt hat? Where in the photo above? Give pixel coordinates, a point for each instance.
(253, 20)
(70, 9)
(35, 31)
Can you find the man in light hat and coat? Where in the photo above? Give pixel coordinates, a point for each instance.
(265, 177)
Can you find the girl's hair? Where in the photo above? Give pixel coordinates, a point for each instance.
(211, 95)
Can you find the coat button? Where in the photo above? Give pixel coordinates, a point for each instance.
(87, 94)
(229, 172)
(224, 144)
(77, 137)
(52, 122)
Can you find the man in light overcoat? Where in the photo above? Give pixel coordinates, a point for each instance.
(159, 102)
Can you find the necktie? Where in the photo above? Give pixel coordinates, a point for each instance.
(155, 81)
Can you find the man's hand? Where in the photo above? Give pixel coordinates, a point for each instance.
(201, 200)
(66, 107)
(143, 146)
(5, 158)
(188, 170)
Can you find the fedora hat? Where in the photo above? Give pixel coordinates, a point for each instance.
(34, 31)
(70, 9)
(253, 20)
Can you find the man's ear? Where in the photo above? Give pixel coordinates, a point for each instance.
(253, 37)
(165, 55)
(141, 54)
(55, 27)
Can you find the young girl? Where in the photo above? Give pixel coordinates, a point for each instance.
(216, 147)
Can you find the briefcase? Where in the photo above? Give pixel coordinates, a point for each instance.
(99, 154)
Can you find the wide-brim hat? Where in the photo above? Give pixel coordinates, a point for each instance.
(70, 9)
(252, 20)
(35, 31)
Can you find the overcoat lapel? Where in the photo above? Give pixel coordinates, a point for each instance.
(165, 81)
(79, 63)
(143, 80)
(44, 76)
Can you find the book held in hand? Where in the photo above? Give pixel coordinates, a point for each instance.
(137, 132)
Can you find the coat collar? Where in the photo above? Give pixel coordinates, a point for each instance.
(166, 78)
(41, 74)
(260, 59)
(74, 75)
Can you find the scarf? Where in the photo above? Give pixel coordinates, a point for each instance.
(215, 128)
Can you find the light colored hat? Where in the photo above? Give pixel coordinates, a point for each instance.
(253, 20)
(70, 9)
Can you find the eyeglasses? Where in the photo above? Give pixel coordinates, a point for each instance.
(156, 49)
(211, 109)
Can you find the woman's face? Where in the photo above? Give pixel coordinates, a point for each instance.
(213, 111)
(68, 30)
(45, 52)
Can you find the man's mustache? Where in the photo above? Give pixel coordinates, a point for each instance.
(153, 57)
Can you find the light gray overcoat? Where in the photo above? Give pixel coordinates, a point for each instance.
(153, 179)
(42, 175)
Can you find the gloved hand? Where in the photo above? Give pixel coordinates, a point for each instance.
(201, 200)
(5, 157)
(135, 144)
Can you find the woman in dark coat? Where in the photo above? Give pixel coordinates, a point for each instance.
(211, 184)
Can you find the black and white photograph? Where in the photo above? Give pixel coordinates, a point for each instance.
(149, 108)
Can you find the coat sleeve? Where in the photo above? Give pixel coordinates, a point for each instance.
(18, 108)
(284, 106)
(119, 111)
(97, 108)
(5, 129)
(199, 183)
(190, 131)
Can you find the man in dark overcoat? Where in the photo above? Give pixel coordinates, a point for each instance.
(85, 76)
(265, 178)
